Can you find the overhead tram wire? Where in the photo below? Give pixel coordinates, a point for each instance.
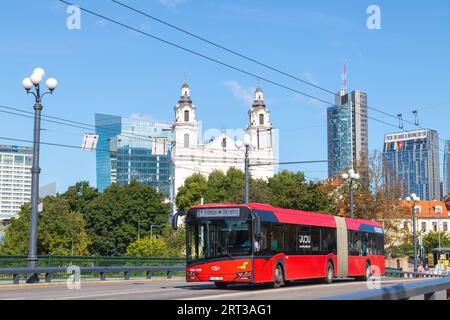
(253, 75)
(241, 55)
(74, 124)
(215, 44)
(111, 151)
(127, 134)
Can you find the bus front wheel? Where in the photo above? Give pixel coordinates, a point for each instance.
(330, 273)
(278, 277)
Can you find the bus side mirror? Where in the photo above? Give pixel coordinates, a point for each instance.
(175, 219)
(257, 226)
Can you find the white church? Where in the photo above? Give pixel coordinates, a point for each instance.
(192, 155)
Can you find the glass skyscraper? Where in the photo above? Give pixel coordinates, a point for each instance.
(447, 168)
(411, 161)
(133, 149)
(348, 135)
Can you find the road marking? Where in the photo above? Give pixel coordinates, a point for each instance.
(298, 288)
(84, 282)
(123, 292)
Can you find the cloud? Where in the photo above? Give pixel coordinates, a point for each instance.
(101, 23)
(245, 94)
(138, 116)
(309, 77)
(171, 3)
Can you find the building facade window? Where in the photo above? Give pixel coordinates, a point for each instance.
(261, 119)
(434, 226)
(424, 227)
(445, 227)
(186, 116)
(186, 140)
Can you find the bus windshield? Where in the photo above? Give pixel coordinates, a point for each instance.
(218, 238)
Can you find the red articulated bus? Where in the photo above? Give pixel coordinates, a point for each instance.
(257, 243)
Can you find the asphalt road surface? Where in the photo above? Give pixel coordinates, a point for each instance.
(178, 289)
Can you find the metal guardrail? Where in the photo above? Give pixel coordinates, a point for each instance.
(407, 274)
(101, 271)
(20, 261)
(427, 288)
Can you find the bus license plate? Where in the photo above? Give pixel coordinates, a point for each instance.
(216, 278)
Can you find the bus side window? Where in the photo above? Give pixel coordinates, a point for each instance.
(329, 240)
(265, 238)
(291, 239)
(316, 239)
(277, 237)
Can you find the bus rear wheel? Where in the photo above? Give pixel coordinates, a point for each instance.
(221, 285)
(329, 277)
(278, 277)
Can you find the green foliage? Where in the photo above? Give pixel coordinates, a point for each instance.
(286, 189)
(290, 190)
(175, 240)
(148, 247)
(431, 240)
(113, 217)
(60, 230)
(191, 192)
(80, 195)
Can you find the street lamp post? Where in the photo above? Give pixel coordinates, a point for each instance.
(28, 83)
(351, 176)
(415, 199)
(246, 143)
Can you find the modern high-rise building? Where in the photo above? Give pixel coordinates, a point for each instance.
(447, 168)
(411, 161)
(15, 179)
(133, 149)
(348, 133)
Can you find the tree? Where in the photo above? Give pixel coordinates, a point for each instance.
(290, 190)
(80, 195)
(431, 240)
(60, 230)
(286, 189)
(191, 192)
(114, 217)
(148, 247)
(175, 240)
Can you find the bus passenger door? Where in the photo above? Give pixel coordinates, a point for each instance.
(342, 247)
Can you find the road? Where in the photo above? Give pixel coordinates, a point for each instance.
(178, 289)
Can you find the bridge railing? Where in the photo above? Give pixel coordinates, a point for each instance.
(425, 288)
(50, 273)
(406, 274)
(18, 261)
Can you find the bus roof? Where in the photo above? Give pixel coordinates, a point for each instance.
(270, 213)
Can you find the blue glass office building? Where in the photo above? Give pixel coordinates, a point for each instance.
(348, 135)
(411, 161)
(126, 151)
(447, 168)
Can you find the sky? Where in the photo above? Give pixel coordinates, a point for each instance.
(106, 68)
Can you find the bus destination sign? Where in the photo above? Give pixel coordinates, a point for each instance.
(218, 213)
